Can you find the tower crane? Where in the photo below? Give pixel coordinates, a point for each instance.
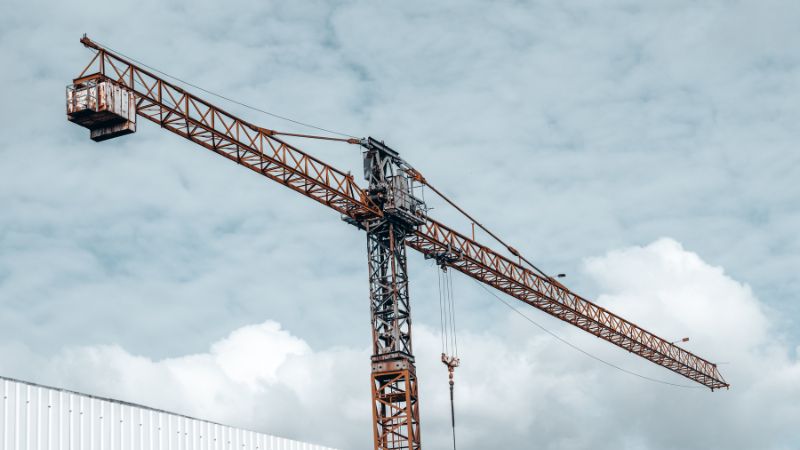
(110, 93)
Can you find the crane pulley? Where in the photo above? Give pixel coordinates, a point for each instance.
(112, 91)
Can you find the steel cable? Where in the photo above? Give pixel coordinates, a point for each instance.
(541, 327)
(277, 116)
(441, 312)
(449, 280)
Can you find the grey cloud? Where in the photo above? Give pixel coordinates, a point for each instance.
(570, 130)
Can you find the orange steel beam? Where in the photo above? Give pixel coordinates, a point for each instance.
(485, 265)
(256, 148)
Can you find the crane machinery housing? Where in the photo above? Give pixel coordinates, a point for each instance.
(112, 91)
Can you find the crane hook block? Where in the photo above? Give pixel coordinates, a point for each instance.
(105, 108)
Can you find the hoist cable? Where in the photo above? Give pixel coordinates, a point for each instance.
(453, 416)
(449, 335)
(446, 303)
(441, 311)
(449, 280)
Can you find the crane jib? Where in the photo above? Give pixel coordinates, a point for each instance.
(486, 265)
(193, 118)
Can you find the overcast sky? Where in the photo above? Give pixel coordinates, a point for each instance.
(647, 149)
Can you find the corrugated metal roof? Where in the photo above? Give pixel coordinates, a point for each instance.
(37, 417)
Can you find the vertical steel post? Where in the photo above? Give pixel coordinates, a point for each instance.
(394, 380)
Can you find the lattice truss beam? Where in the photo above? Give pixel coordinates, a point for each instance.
(488, 266)
(193, 118)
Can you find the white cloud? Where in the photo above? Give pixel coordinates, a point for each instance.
(259, 377)
(235, 353)
(665, 285)
(515, 387)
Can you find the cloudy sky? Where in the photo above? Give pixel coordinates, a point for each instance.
(646, 149)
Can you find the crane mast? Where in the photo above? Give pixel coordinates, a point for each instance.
(111, 92)
(394, 377)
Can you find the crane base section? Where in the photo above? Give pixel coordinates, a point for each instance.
(395, 407)
(105, 108)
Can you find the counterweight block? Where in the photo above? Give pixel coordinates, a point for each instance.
(105, 108)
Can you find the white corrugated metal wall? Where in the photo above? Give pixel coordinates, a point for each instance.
(34, 417)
